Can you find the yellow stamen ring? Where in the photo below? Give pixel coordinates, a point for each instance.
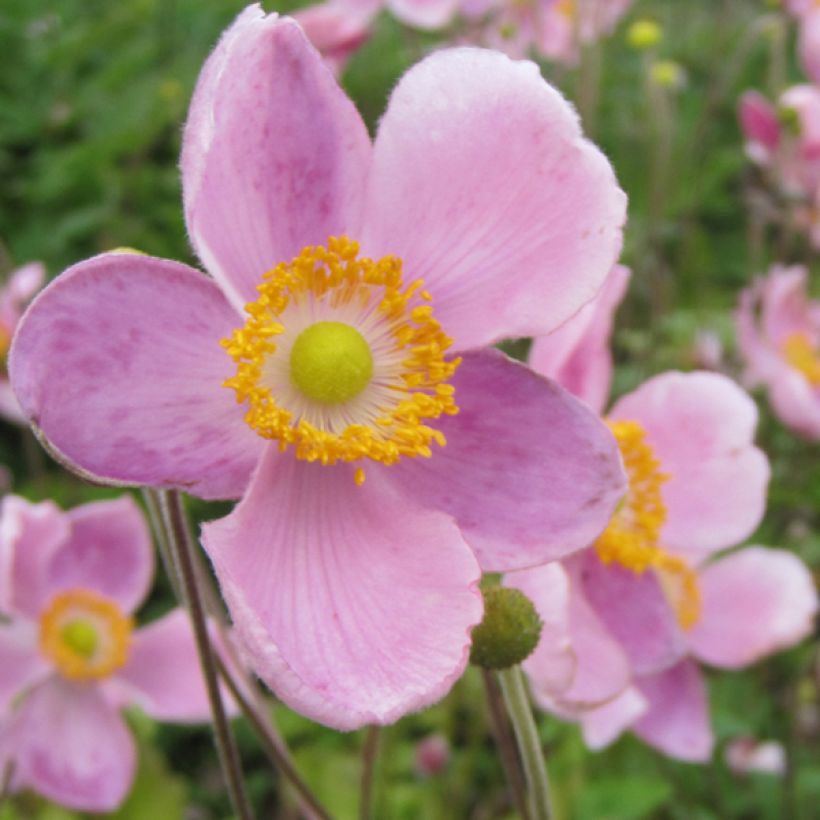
(801, 354)
(632, 537)
(340, 281)
(85, 635)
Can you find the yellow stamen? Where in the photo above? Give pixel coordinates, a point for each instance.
(567, 8)
(338, 278)
(85, 634)
(633, 535)
(801, 354)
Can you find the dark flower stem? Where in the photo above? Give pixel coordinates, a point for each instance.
(173, 516)
(529, 744)
(506, 744)
(369, 755)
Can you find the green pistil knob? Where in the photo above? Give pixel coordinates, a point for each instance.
(330, 362)
(509, 632)
(80, 637)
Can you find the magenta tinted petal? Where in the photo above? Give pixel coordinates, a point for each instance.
(21, 664)
(759, 121)
(753, 603)
(163, 675)
(529, 472)
(483, 184)
(634, 610)
(274, 154)
(73, 747)
(605, 724)
(677, 721)
(118, 365)
(351, 603)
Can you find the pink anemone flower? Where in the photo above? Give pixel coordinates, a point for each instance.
(778, 331)
(622, 618)
(353, 599)
(22, 284)
(71, 657)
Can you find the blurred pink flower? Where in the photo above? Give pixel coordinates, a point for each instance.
(622, 618)
(744, 755)
(337, 28)
(354, 600)
(778, 330)
(432, 755)
(70, 656)
(22, 284)
(808, 44)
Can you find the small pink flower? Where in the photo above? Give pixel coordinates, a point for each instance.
(432, 755)
(778, 330)
(744, 755)
(353, 599)
(70, 656)
(21, 286)
(624, 619)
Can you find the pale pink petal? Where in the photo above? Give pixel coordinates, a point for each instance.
(529, 472)
(30, 534)
(162, 675)
(677, 722)
(634, 610)
(551, 667)
(21, 664)
(483, 184)
(352, 604)
(577, 355)
(335, 29)
(760, 358)
(808, 45)
(701, 427)
(9, 406)
(605, 724)
(754, 602)
(73, 748)
(795, 401)
(426, 14)
(274, 154)
(784, 307)
(118, 365)
(21, 286)
(109, 551)
(759, 122)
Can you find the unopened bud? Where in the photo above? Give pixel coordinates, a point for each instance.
(644, 34)
(509, 632)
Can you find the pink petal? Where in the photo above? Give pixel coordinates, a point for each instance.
(605, 724)
(701, 427)
(21, 664)
(9, 406)
(21, 286)
(162, 674)
(577, 355)
(808, 45)
(795, 401)
(529, 472)
(274, 154)
(30, 534)
(118, 364)
(73, 747)
(754, 602)
(759, 122)
(677, 722)
(483, 184)
(109, 551)
(634, 610)
(352, 604)
(426, 14)
(335, 29)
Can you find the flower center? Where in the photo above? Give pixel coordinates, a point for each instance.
(800, 353)
(632, 537)
(341, 361)
(331, 362)
(85, 635)
(567, 8)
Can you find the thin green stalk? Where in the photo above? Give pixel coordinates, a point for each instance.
(369, 755)
(506, 744)
(173, 517)
(529, 744)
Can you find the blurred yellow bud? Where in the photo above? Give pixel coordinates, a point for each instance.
(667, 73)
(643, 34)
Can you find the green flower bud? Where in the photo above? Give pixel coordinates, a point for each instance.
(509, 632)
(643, 34)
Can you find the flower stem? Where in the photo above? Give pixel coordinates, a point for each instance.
(5, 781)
(529, 745)
(369, 754)
(173, 516)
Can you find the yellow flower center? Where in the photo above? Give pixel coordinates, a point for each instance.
(567, 8)
(632, 537)
(801, 354)
(342, 361)
(85, 635)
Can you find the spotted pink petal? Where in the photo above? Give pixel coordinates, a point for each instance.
(351, 603)
(677, 721)
(274, 154)
(529, 473)
(30, 534)
(21, 664)
(109, 551)
(577, 355)
(605, 724)
(483, 184)
(701, 427)
(162, 675)
(118, 366)
(73, 748)
(754, 602)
